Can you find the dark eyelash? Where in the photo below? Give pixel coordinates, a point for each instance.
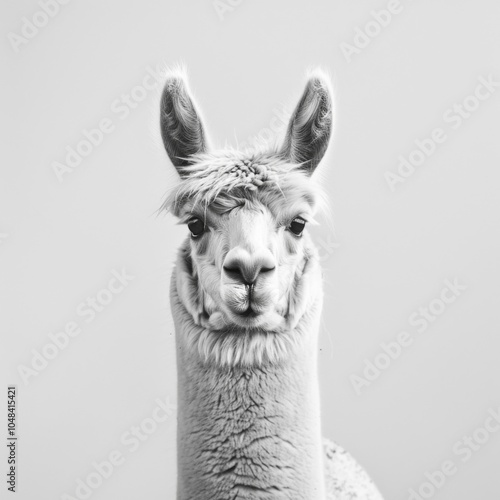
(287, 222)
(189, 217)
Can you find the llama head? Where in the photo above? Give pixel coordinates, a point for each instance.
(246, 273)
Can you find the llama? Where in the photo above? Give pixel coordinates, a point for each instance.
(246, 298)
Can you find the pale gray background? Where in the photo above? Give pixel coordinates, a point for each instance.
(390, 254)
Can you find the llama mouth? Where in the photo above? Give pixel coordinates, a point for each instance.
(249, 313)
(252, 304)
(248, 318)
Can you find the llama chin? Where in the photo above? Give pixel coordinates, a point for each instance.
(244, 348)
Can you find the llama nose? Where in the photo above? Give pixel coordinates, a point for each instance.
(245, 268)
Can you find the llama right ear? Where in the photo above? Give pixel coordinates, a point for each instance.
(181, 128)
(310, 126)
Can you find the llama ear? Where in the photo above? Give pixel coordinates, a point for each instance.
(181, 128)
(310, 126)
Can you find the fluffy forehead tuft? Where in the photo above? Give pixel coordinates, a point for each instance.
(236, 176)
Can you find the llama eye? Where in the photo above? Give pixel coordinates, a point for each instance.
(297, 226)
(196, 226)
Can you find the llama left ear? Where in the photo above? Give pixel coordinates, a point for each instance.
(310, 126)
(182, 131)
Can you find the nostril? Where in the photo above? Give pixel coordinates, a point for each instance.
(241, 274)
(233, 272)
(267, 269)
(246, 274)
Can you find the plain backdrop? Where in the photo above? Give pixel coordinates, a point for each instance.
(390, 254)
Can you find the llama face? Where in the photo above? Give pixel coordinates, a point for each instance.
(246, 215)
(247, 246)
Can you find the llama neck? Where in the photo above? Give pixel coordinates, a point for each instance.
(250, 433)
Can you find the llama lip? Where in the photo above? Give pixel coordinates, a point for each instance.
(249, 307)
(249, 313)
